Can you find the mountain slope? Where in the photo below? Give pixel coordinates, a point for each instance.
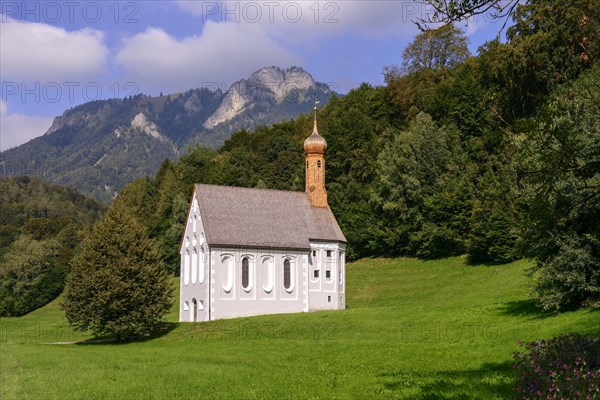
(100, 146)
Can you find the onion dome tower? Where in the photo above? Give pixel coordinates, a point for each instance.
(314, 149)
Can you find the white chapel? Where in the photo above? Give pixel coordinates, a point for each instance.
(249, 251)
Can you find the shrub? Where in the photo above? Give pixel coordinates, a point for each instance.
(570, 278)
(566, 367)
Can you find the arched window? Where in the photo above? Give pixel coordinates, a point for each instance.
(245, 273)
(287, 275)
(267, 274)
(227, 273)
(318, 163)
(194, 266)
(201, 265)
(186, 267)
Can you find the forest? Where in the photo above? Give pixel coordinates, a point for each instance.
(494, 155)
(41, 227)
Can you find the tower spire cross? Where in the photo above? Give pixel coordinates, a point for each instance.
(315, 112)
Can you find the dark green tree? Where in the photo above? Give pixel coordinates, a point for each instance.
(118, 284)
(560, 169)
(494, 218)
(354, 128)
(422, 191)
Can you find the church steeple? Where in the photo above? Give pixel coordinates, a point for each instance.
(314, 148)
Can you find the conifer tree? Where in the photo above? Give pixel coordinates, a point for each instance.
(118, 283)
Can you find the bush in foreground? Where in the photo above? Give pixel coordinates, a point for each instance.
(566, 367)
(118, 283)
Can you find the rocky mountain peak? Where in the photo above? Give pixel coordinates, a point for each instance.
(267, 85)
(141, 124)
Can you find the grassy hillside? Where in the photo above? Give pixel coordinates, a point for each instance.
(414, 329)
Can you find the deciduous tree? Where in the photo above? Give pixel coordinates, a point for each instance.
(118, 283)
(437, 49)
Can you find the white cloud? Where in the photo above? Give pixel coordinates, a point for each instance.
(240, 37)
(312, 18)
(40, 52)
(16, 129)
(223, 53)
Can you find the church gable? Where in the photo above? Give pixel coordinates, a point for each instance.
(194, 227)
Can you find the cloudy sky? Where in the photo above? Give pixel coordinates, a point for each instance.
(55, 55)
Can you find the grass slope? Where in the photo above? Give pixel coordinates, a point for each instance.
(414, 329)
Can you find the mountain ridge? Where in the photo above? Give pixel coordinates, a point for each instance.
(99, 146)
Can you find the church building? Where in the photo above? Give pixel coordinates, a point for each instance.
(248, 251)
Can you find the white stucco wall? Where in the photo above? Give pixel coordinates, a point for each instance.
(265, 293)
(327, 290)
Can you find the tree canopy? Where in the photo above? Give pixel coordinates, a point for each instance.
(445, 47)
(118, 284)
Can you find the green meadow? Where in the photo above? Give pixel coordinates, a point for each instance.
(413, 330)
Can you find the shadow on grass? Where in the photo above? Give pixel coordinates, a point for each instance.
(525, 308)
(164, 329)
(489, 264)
(490, 381)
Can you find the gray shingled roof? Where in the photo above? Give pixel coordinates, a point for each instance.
(248, 217)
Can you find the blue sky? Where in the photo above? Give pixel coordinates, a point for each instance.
(55, 55)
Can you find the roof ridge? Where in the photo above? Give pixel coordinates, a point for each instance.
(250, 188)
